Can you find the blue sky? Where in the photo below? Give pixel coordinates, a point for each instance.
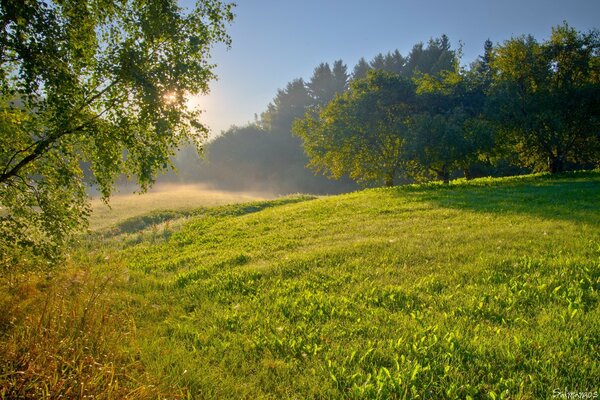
(277, 41)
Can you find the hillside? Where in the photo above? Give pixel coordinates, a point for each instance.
(480, 289)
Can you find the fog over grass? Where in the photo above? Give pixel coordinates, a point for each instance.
(165, 196)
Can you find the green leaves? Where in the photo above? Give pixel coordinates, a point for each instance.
(544, 95)
(102, 85)
(361, 133)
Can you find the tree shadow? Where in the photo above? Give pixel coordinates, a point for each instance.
(141, 222)
(573, 197)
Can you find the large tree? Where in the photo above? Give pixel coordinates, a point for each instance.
(104, 82)
(546, 97)
(361, 133)
(450, 131)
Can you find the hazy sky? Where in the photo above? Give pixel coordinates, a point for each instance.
(275, 41)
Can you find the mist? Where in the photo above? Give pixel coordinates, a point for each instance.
(265, 157)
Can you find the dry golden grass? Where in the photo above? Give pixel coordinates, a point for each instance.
(61, 338)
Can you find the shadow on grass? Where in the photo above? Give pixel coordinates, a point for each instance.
(571, 197)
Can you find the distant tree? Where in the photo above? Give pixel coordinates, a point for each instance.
(546, 97)
(320, 87)
(265, 155)
(394, 62)
(361, 69)
(340, 76)
(361, 133)
(289, 104)
(483, 64)
(242, 158)
(378, 62)
(391, 62)
(433, 59)
(252, 158)
(325, 83)
(450, 131)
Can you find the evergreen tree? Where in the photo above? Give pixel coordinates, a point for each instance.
(325, 82)
(289, 103)
(378, 62)
(433, 59)
(394, 62)
(340, 77)
(361, 69)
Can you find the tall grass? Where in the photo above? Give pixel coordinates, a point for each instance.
(61, 337)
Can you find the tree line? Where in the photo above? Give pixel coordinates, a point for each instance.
(522, 106)
(266, 155)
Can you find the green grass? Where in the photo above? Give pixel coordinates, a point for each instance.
(484, 289)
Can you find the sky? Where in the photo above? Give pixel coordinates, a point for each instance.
(276, 41)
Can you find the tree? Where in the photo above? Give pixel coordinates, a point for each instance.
(483, 65)
(394, 62)
(361, 133)
(340, 77)
(320, 85)
(378, 62)
(289, 104)
(451, 131)
(103, 82)
(546, 97)
(361, 69)
(433, 59)
(326, 82)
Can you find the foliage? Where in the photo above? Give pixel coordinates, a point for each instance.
(266, 155)
(450, 131)
(289, 103)
(443, 129)
(104, 82)
(431, 59)
(327, 82)
(536, 101)
(361, 133)
(546, 97)
(255, 159)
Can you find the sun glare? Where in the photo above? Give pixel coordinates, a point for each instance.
(170, 98)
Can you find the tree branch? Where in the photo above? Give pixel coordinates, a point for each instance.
(39, 149)
(15, 156)
(42, 146)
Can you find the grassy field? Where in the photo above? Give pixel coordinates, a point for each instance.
(486, 289)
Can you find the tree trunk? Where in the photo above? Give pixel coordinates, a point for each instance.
(389, 180)
(443, 175)
(555, 164)
(467, 173)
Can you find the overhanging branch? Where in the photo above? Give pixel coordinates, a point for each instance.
(42, 146)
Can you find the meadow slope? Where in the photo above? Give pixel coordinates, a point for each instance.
(484, 289)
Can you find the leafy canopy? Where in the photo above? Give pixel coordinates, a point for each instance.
(100, 85)
(547, 97)
(362, 132)
(450, 130)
